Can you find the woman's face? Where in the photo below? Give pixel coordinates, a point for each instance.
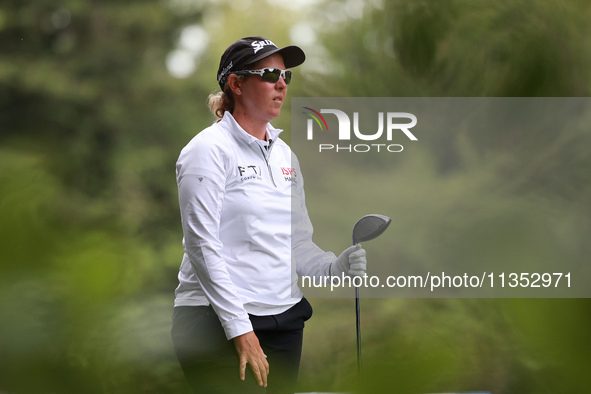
(262, 101)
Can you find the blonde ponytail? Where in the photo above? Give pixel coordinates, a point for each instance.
(221, 102)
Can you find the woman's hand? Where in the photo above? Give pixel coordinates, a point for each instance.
(250, 352)
(352, 262)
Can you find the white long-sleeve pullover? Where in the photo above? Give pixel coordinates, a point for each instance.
(247, 234)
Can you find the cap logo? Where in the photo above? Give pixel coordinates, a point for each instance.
(224, 71)
(258, 45)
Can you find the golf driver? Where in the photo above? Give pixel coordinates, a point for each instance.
(366, 229)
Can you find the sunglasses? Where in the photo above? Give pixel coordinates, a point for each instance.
(269, 74)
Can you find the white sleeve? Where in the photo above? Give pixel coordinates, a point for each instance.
(310, 259)
(201, 182)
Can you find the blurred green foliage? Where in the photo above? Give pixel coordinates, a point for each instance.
(91, 123)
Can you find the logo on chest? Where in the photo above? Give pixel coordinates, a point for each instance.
(250, 172)
(289, 174)
(254, 172)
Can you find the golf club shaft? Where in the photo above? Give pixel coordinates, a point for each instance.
(366, 229)
(358, 322)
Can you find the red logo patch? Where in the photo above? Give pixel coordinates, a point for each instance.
(288, 171)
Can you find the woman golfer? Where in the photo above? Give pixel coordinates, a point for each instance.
(247, 235)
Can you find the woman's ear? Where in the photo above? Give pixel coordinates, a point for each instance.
(235, 84)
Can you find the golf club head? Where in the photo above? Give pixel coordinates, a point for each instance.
(370, 227)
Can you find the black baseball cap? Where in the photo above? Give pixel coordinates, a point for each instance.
(250, 50)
